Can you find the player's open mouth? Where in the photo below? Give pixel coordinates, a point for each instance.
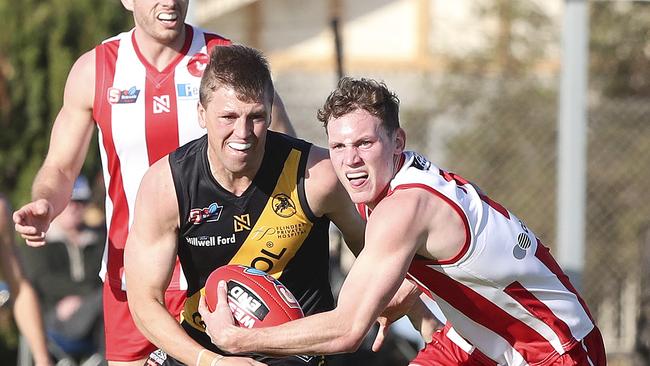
(167, 17)
(357, 179)
(239, 146)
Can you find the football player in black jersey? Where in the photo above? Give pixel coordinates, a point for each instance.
(240, 195)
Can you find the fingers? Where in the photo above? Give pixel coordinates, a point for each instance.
(203, 306)
(222, 297)
(379, 339)
(31, 222)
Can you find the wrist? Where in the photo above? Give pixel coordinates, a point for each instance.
(208, 358)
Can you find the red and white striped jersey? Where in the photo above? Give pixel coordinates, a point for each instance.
(142, 115)
(503, 292)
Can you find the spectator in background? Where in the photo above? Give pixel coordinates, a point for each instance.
(64, 273)
(25, 302)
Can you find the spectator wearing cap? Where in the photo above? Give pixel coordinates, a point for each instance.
(64, 273)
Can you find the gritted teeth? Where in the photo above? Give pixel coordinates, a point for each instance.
(239, 146)
(356, 175)
(167, 16)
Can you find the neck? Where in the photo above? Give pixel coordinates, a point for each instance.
(159, 53)
(398, 161)
(235, 183)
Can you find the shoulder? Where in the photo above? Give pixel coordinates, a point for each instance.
(156, 175)
(211, 38)
(324, 192)
(406, 208)
(84, 67)
(319, 168)
(81, 79)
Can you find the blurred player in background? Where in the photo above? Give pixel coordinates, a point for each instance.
(141, 90)
(508, 300)
(27, 312)
(240, 195)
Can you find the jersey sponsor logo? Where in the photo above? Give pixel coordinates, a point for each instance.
(265, 261)
(210, 241)
(161, 104)
(280, 232)
(283, 206)
(246, 305)
(187, 91)
(242, 222)
(521, 248)
(197, 63)
(122, 96)
(523, 242)
(206, 214)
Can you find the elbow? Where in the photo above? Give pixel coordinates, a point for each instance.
(349, 341)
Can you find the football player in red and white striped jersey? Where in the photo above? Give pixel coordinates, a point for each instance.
(140, 88)
(508, 300)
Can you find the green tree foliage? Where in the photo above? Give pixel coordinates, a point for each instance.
(39, 42)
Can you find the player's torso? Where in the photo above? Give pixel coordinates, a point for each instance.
(503, 291)
(142, 114)
(269, 227)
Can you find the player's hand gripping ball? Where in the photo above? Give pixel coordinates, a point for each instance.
(255, 298)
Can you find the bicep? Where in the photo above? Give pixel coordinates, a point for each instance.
(378, 271)
(150, 251)
(73, 126)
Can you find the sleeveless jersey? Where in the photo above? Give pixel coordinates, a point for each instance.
(142, 115)
(269, 227)
(503, 292)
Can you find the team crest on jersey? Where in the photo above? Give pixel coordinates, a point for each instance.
(283, 206)
(196, 65)
(122, 96)
(206, 214)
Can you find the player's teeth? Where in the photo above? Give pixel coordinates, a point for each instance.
(167, 16)
(238, 146)
(355, 175)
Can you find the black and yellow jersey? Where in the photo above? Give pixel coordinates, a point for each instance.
(269, 227)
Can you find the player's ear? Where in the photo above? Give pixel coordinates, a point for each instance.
(400, 140)
(202, 115)
(128, 4)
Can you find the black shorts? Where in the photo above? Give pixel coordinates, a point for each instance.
(160, 358)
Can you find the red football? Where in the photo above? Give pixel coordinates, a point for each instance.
(256, 299)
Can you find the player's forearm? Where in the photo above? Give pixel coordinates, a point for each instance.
(155, 323)
(325, 333)
(30, 323)
(54, 185)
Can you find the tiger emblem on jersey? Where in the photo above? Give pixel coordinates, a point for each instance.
(283, 206)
